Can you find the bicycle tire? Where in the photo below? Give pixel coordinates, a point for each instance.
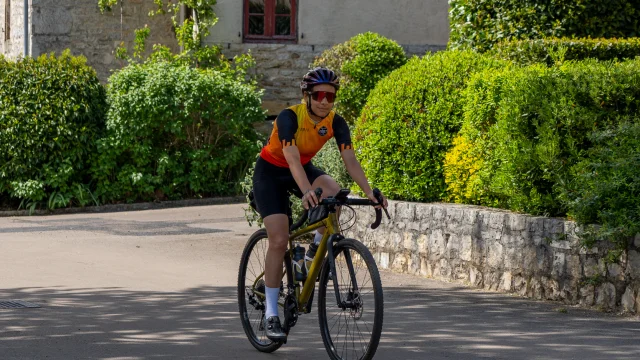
(251, 318)
(327, 301)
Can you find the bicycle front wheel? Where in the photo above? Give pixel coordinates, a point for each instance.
(352, 329)
(251, 290)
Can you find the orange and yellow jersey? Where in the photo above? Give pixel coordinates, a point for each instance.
(294, 127)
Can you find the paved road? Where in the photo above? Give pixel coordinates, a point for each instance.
(161, 285)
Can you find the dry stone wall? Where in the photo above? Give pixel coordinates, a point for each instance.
(535, 257)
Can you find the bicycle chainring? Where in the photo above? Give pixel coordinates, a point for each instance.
(290, 312)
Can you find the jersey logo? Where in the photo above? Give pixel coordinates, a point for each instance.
(323, 131)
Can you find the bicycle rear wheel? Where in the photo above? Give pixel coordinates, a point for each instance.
(351, 331)
(251, 300)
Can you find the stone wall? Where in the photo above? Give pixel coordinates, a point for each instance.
(14, 47)
(536, 257)
(79, 26)
(281, 67)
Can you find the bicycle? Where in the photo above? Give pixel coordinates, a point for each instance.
(337, 259)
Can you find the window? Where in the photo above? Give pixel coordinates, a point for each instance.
(270, 20)
(7, 20)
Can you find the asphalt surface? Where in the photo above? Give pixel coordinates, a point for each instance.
(161, 285)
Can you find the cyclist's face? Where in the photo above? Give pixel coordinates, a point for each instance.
(322, 107)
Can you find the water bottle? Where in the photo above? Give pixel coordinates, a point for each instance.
(299, 268)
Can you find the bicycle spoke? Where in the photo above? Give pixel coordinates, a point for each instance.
(352, 333)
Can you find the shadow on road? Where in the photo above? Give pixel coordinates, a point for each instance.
(199, 323)
(117, 227)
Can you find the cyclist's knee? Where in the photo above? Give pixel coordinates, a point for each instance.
(329, 186)
(278, 243)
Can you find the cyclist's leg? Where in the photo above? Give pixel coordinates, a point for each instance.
(272, 201)
(277, 226)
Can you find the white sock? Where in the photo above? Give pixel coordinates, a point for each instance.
(272, 301)
(317, 238)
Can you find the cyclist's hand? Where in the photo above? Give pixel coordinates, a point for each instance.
(373, 198)
(309, 199)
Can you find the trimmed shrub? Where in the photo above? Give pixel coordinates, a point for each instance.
(530, 127)
(462, 164)
(480, 24)
(410, 120)
(175, 132)
(52, 110)
(606, 190)
(361, 62)
(552, 51)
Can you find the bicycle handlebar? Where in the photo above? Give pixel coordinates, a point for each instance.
(342, 199)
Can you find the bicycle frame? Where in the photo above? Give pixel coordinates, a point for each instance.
(303, 296)
(325, 247)
(331, 224)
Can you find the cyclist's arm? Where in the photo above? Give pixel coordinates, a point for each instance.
(355, 171)
(343, 138)
(287, 124)
(292, 155)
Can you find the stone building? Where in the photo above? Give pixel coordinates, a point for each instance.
(283, 35)
(55, 25)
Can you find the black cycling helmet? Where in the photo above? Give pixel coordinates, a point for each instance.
(319, 76)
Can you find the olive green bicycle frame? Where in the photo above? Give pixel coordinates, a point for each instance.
(331, 224)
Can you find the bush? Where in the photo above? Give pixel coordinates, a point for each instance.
(51, 113)
(462, 164)
(529, 126)
(480, 24)
(551, 51)
(175, 131)
(606, 190)
(361, 62)
(410, 120)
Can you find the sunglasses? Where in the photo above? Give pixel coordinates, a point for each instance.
(321, 95)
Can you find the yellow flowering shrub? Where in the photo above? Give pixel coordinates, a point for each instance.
(462, 164)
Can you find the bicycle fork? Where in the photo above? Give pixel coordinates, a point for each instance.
(352, 300)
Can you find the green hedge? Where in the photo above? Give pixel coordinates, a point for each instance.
(530, 126)
(409, 121)
(361, 62)
(552, 51)
(480, 24)
(606, 190)
(52, 110)
(175, 132)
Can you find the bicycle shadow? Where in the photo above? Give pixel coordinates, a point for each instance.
(203, 323)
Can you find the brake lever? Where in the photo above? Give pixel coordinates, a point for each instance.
(378, 195)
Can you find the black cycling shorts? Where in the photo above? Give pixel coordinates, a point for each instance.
(272, 186)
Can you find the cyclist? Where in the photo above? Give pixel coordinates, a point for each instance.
(284, 166)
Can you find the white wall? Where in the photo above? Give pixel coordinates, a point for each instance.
(328, 22)
(14, 47)
(230, 22)
(408, 22)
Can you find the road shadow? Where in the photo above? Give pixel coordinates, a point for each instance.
(203, 323)
(118, 227)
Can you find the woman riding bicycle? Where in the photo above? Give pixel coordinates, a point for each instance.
(284, 167)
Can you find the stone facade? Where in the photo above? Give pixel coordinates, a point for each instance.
(281, 66)
(535, 257)
(12, 47)
(78, 25)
